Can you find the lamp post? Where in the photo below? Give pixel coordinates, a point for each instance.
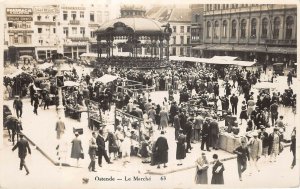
(60, 108)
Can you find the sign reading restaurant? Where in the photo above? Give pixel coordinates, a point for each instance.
(18, 11)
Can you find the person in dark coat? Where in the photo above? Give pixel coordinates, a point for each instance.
(188, 133)
(162, 147)
(242, 156)
(234, 101)
(23, 147)
(205, 135)
(35, 103)
(18, 105)
(180, 150)
(112, 145)
(214, 134)
(217, 171)
(101, 149)
(176, 126)
(293, 147)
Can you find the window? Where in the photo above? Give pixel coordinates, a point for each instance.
(224, 30)
(216, 30)
(92, 17)
(243, 28)
(289, 27)
(66, 31)
(233, 29)
(196, 17)
(181, 29)
(174, 29)
(10, 24)
(92, 34)
(253, 28)
(54, 18)
(39, 30)
(28, 25)
(81, 14)
(188, 29)
(276, 28)
(82, 31)
(54, 30)
(264, 30)
(181, 40)
(16, 39)
(73, 15)
(188, 40)
(38, 18)
(41, 42)
(24, 25)
(74, 30)
(181, 51)
(65, 15)
(174, 51)
(25, 39)
(208, 29)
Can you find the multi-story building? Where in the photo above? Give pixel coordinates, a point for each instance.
(78, 23)
(263, 32)
(42, 30)
(19, 30)
(46, 39)
(180, 22)
(196, 28)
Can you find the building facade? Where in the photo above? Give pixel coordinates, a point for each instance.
(196, 27)
(180, 23)
(267, 33)
(40, 31)
(46, 40)
(19, 31)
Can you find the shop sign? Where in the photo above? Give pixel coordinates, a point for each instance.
(72, 8)
(18, 11)
(45, 10)
(15, 18)
(20, 31)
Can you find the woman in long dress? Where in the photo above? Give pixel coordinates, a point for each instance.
(180, 150)
(76, 148)
(201, 170)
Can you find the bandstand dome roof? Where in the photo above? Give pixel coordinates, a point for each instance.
(137, 24)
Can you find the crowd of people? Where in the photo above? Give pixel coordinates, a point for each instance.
(195, 116)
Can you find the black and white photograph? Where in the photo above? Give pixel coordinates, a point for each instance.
(149, 94)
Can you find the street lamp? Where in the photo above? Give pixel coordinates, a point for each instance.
(59, 83)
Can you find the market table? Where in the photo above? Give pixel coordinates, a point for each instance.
(229, 142)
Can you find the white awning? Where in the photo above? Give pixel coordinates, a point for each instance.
(106, 78)
(89, 55)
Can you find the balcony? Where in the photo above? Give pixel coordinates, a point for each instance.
(74, 22)
(77, 39)
(45, 23)
(280, 42)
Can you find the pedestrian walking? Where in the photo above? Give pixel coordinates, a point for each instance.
(18, 106)
(76, 150)
(112, 145)
(217, 171)
(274, 142)
(242, 157)
(60, 128)
(293, 147)
(274, 112)
(176, 125)
(164, 119)
(234, 102)
(201, 170)
(125, 148)
(35, 103)
(23, 148)
(92, 152)
(101, 149)
(255, 149)
(180, 150)
(162, 147)
(197, 128)
(243, 114)
(214, 134)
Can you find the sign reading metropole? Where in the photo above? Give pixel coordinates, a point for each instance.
(18, 11)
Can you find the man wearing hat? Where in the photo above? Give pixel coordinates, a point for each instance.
(255, 147)
(217, 171)
(23, 147)
(101, 148)
(242, 156)
(18, 106)
(162, 147)
(205, 135)
(274, 111)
